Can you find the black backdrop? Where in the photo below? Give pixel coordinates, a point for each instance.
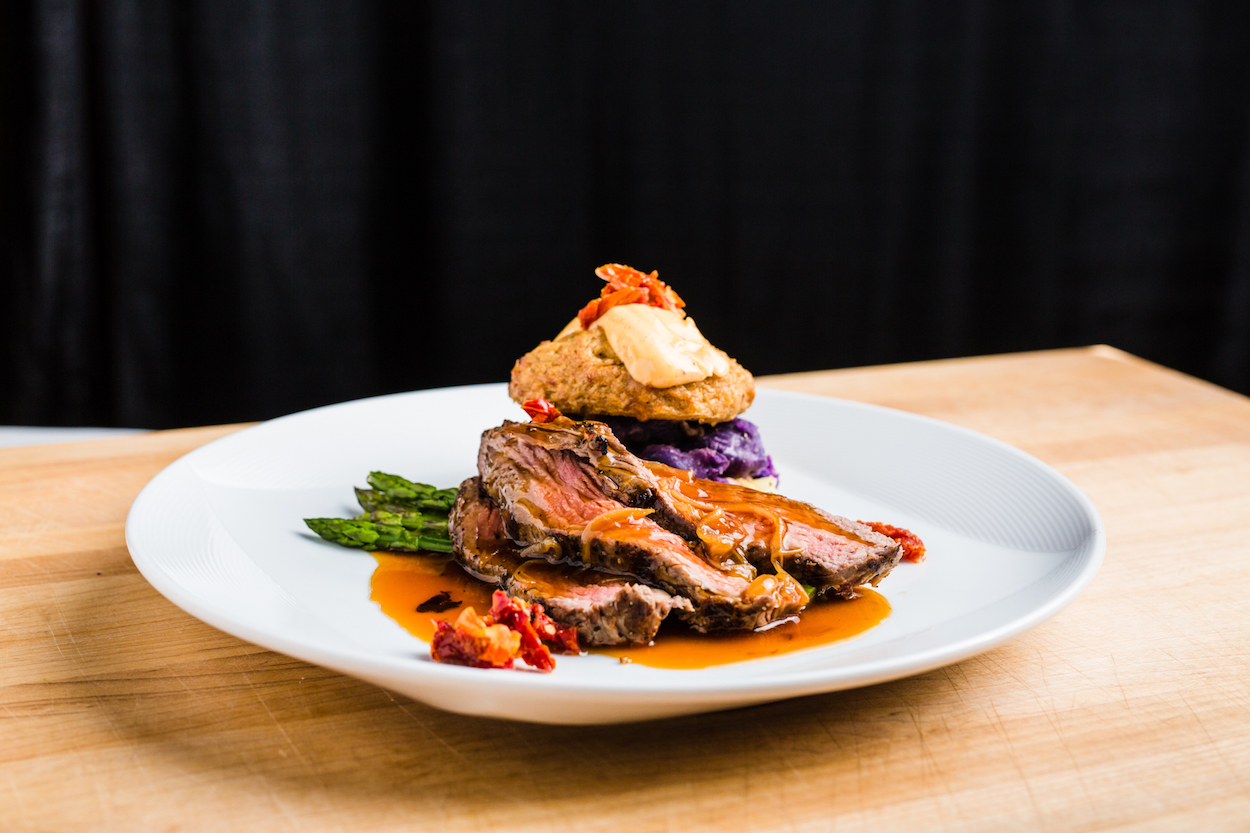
(221, 211)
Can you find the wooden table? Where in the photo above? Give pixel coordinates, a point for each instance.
(1128, 711)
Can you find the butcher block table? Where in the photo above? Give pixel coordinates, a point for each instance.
(1130, 710)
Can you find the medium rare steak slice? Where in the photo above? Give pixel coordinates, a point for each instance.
(605, 609)
(733, 524)
(552, 496)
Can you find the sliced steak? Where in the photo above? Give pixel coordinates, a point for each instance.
(548, 480)
(833, 553)
(605, 609)
(733, 524)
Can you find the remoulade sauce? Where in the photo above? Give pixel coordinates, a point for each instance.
(403, 583)
(659, 348)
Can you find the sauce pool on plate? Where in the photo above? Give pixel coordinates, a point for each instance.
(415, 590)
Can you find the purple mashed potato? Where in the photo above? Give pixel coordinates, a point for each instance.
(714, 452)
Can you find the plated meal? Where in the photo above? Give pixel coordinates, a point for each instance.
(634, 494)
(220, 532)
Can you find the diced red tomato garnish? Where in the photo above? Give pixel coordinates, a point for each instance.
(475, 641)
(511, 630)
(563, 638)
(913, 547)
(627, 285)
(540, 410)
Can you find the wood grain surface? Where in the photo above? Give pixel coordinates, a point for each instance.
(1130, 710)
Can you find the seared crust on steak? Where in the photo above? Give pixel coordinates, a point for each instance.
(605, 609)
(581, 375)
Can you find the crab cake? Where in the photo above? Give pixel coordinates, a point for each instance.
(581, 374)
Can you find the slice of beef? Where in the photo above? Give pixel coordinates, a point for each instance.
(732, 524)
(831, 552)
(605, 609)
(548, 480)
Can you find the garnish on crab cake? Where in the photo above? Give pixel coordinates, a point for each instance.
(633, 359)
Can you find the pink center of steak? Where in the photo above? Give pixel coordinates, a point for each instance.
(605, 609)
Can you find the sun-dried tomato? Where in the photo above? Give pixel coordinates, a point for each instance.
(913, 547)
(535, 627)
(540, 410)
(512, 629)
(627, 285)
(516, 615)
(549, 631)
(475, 641)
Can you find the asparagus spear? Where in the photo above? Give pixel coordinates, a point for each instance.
(429, 523)
(392, 493)
(400, 516)
(379, 535)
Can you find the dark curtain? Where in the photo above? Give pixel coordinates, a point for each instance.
(223, 211)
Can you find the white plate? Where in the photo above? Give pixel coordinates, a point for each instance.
(220, 533)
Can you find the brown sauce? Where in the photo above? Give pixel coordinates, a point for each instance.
(403, 582)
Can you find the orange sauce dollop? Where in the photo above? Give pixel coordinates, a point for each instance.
(401, 583)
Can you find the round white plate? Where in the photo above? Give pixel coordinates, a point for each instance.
(220, 533)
